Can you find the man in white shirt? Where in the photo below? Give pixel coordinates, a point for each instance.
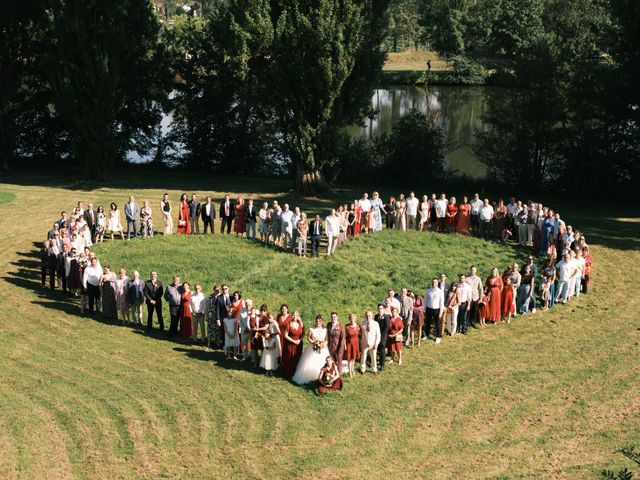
(370, 340)
(287, 227)
(198, 304)
(91, 282)
(434, 304)
(332, 229)
(565, 271)
(475, 282)
(476, 205)
(441, 212)
(486, 215)
(412, 211)
(464, 295)
(391, 301)
(365, 207)
(580, 263)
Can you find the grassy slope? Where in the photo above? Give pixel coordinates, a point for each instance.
(549, 396)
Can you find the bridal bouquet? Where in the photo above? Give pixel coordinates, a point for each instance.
(317, 346)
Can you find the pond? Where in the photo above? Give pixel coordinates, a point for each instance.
(458, 110)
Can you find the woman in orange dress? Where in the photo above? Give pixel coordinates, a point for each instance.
(283, 319)
(352, 341)
(452, 215)
(186, 325)
(464, 219)
(508, 306)
(357, 221)
(494, 284)
(292, 348)
(395, 336)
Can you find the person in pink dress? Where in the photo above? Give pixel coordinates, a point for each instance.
(352, 341)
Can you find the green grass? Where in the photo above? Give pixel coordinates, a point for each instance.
(6, 197)
(550, 396)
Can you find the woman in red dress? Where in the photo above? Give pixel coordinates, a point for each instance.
(464, 219)
(358, 219)
(352, 341)
(452, 215)
(186, 324)
(508, 306)
(395, 336)
(494, 284)
(239, 225)
(292, 349)
(329, 379)
(283, 322)
(184, 225)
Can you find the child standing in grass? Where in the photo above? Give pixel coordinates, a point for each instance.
(269, 359)
(546, 293)
(231, 337)
(483, 308)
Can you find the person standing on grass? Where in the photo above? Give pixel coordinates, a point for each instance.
(263, 222)
(434, 304)
(108, 293)
(452, 215)
(303, 230)
(295, 218)
(292, 347)
(135, 297)
(476, 205)
(165, 208)
(365, 208)
(91, 283)
(122, 290)
(564, 273)
(370, 332)
(250, 216)
(495, 285)
(336, 339)
(352, 343)
(406, 313)
(287, 227)
(131, 214)
(194, 214)
(114, 225)
(525, 291)
(395, 336)
(183, 216)
(198, 305)
(153, 291)
(316, 235)
(475, 282)
(227, 212)
(208, 214)
(486, 217)
(401, 211)
(214, 321)
(412, 211)
(382, 319)
(332, 229)
(173, 295)
(441, 212)
(464, 295)
(186, 320)
(450, 313)
(146, 220)
(239, 225)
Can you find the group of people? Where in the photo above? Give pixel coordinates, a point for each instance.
(275, 341)
(526, 223)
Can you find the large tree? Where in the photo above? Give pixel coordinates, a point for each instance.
(105, 70)
(326, 53)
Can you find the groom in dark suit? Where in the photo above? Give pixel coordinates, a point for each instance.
(336, 340)
(227, 213)
(383, 320)
(315, 231)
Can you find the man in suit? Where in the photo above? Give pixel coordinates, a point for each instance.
(90, 217)
(250, 219)
(332, 229)
(173, 295)
(61, 266)
(383, 319)
(315, 230)
(227, 213)
(336, 337)
(224, 303)
(153, 291)
(208, 214)
(131, 212)
(194, 214)
(406, 312)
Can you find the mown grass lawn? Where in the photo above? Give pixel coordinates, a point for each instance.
(550, 396)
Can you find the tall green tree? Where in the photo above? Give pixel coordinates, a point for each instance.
(318, 47)
(106, 73)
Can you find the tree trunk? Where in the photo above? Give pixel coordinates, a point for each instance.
(310, 182)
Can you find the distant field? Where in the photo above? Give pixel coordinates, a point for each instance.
(552, 395)
(415, 60)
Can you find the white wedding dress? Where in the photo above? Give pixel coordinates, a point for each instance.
(311, 362)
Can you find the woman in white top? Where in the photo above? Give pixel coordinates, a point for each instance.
(113, 223)
(101, 225)
(272, 347)
(314, 356)
(231, 337)
(146, 221)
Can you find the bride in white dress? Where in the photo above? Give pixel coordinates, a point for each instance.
(314, 355)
